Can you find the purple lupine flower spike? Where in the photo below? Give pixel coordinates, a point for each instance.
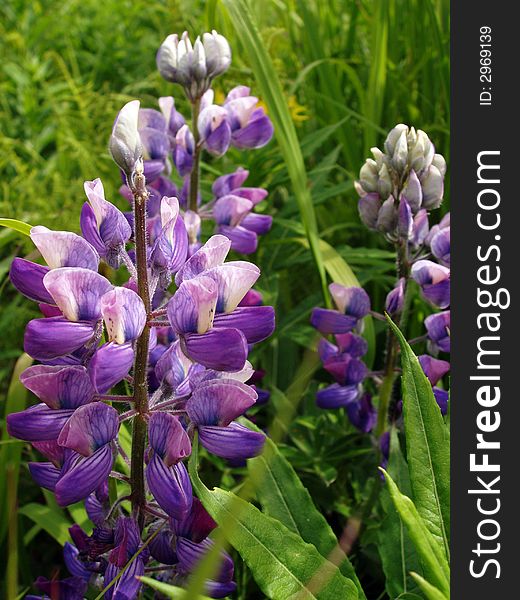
(167, 477)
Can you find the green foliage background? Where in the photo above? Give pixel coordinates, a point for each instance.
(350, 70)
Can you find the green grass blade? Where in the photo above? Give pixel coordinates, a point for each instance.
(272, 94)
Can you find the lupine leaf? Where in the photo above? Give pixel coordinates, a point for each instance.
(170, 591)
(283, 565)
(284, 497)
(427, 446)
(397, 553)
(430, 591)
(53, 522)
(20, 226)
(431, 555)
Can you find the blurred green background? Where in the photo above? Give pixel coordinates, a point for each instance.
(350, 70)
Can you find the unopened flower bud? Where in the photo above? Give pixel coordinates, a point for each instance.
(218, 53)
(125, 142)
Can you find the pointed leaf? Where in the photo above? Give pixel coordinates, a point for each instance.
(16, 225)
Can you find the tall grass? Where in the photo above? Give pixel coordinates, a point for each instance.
(348, 70)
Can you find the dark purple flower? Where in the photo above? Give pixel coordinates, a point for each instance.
(362, 413)
(395, 298)
(438, 328)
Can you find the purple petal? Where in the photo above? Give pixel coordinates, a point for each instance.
(405, 219)
(255, 195)
(161, 548)
(153, 169)
(168, 438)
(172, 367)
(433, 368)
(438, 328)
(217, 141)
(64, 249)
(171, 247)
(27, 278)
(226, 183)
(368, 207)
(170, 486)
(89, 428)
(45, 474)
(89, 229)
(72, 588)
(128, 585)
(193, 305)
(190, 553)
(55, 336)
(327, 350)
(216, 589)
(336, 396)
(331, 321)
(230, 209)
(353, 301)
(346, 370)
(260, 224)
(242, 240)
(395, 298)
(124, 315)
(212, 254)
(256, 134)
(362, 414)
(256, 322)
(126, 541)
(37, 423)
(110, 364)
(234, 279)
(252, 298)
(219, 349)
(219, 402)
(73, 563)
(232, 442)
(197, 524)
(440, 245)
(59, 386)
(353, 344)
(77, 292)
(84, 476)
(420, 228)
(442, 397)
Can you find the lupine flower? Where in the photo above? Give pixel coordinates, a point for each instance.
(395, 299)
(250, 126)
(125, 142)
(214, 129)
(353, 304)
(438, 328)
(397, 183)
(435, 370)
(434, 280)
(184, 150)
(440, 245)
(193, 66)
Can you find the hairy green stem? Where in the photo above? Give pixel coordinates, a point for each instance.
(195, 171)
(141, 355)
(392, 345)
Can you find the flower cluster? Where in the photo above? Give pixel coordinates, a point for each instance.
(183, 348)
(397, 189)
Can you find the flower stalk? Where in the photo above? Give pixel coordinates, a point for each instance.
(195, 172)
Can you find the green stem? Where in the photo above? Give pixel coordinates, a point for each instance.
(195, 171)
(141, 355)
(392, 344)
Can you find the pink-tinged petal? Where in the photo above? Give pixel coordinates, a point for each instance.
(219, 349)
(252, 298)
(353, 344)
(220, 401)
(233, 442)
(46, 475)
(346, 370)
(192, 308)
(234, 279)
(51, 450)
(84, 476)
(260, 224)
(89, 428)
(37, 423)
(212, 254)
(77, 292)
(124, 315)
(168, 438)
(230, 209)
(256, 322)
(243, 240)
(110, 364)
(27, 278)
(59, 386)
(331, 321)
(240, 91)
(170, 486)
(55, 336)
(197, 525)
(353, 301)
(64, 249)
(227, 183)
(255, 195)
(49, 310)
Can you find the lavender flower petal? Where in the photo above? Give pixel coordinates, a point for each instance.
(232, 442)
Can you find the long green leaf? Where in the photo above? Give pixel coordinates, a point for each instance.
(53, 522)
(397, 553)
(427, 446)
(170, 591)
(283, 565)
(434, 563)
(20, 226)
(273, 95)
(284, 497)
(430, 591)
